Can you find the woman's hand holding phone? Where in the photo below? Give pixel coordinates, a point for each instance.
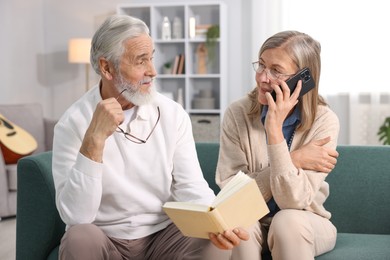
(307, 82)
(279, 110)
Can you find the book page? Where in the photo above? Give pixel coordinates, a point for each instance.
(235, 184)
(243, 208)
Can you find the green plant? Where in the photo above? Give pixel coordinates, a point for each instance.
(212, 36)
(167, 68)
(384, 132)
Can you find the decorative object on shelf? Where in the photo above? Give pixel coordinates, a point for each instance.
(167, 68)
(180, 97)
(384, 132)
(177, 28)
(166, 29)
(79, 52)
(212, 36)
(205, 100)
(201, 55)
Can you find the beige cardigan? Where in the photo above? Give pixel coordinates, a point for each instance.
(243, 147)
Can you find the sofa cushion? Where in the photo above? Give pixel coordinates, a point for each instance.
(359, 246)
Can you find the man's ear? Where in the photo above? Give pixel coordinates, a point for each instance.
(106, 69)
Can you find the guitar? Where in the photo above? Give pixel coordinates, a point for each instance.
(14, 141)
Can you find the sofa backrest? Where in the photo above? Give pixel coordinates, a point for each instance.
(208, 158)
(359, 197)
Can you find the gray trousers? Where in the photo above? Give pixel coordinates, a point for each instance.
(89, 242)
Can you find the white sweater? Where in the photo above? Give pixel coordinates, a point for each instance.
(124, 194)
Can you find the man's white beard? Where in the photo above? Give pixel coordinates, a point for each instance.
(133, 93)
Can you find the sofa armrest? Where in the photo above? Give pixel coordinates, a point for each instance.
(39, 227)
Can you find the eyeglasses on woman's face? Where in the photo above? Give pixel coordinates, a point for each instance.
(272, 74)
(138, 140)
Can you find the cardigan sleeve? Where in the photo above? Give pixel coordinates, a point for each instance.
(298, 188)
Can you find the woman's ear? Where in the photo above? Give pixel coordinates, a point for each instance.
(106, 69)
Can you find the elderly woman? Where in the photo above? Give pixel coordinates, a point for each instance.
(287, 145)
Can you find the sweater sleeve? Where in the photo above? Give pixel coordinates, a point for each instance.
(78, 180)
(188, 181)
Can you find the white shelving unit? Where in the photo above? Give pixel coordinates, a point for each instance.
(191, 83)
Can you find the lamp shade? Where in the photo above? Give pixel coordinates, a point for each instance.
(79, 50)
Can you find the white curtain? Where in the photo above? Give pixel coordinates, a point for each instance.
(360, 115)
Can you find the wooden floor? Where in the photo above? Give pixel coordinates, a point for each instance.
(7, 238)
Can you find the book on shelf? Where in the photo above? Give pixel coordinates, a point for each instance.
(180, 69)
(238, 204)
(175, 64)
(178, 64)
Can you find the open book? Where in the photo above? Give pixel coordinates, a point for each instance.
(238, 204)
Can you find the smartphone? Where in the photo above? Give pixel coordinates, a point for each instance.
(307, 82)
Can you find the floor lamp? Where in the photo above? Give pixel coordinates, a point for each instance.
(79, 52)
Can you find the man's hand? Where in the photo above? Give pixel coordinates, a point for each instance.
(315, 156)
(229, 239)
(106, 118)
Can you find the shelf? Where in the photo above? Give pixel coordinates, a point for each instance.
(191, 83)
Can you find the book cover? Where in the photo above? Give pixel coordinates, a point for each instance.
(175, 64)
(180, 69)
(238, 204)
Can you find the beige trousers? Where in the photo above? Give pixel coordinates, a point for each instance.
(292, 235)
(89, 242)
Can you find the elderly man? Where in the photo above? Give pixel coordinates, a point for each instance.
(120, 152)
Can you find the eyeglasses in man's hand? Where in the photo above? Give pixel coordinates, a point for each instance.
(132, 137)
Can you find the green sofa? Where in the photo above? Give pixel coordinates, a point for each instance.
(359, 202)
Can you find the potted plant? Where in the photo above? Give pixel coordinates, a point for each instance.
(384, 132)
(212, 36)
(167, 68)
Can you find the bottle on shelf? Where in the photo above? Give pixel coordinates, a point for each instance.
(166, 29)
(177, 28)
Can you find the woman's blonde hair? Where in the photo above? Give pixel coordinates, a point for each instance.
(305, 52)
